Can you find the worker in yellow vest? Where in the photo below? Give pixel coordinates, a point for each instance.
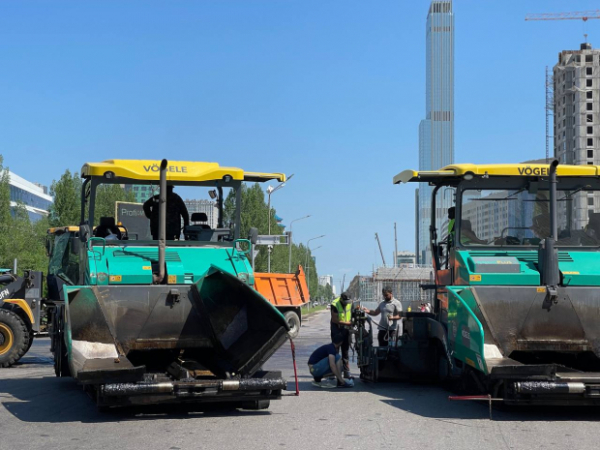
(451, 220)
(341, 320)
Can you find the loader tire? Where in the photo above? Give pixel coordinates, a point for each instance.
(14, 338)
(30, 343)
(293, 321)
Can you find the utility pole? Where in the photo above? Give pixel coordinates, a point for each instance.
(395, 245)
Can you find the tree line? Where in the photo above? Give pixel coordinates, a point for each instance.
(255, 214)
(24, 239)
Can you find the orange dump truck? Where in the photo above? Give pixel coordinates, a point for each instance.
(288, 292)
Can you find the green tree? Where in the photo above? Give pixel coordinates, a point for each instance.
(107, 195)
(66, 208)
(19, 238)
(255, 214)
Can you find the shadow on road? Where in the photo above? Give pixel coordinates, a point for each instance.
(61, 400)
(432, 402)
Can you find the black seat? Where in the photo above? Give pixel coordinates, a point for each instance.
(201, 217)
(107, 226)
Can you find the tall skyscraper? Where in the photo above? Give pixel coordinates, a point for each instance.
(577, 123)
(436, 131)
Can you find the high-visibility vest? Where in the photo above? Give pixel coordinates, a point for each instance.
(451, 232)
(344, 313)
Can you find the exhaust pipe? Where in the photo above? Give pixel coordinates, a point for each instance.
(162, 223)
(547, 255)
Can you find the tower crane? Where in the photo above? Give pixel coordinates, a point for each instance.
(575, 15)
(380, 249)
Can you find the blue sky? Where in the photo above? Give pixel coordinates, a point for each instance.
(332, 91)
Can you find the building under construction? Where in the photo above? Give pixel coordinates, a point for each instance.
(405, 282)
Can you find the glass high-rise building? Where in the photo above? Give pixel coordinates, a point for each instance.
(436, 131)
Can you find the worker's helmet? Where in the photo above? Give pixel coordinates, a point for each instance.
(345, 298)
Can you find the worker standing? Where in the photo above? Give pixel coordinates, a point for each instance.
(390, 324)
(176, 211)
(341, 320)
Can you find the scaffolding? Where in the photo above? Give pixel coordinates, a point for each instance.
(405, 282)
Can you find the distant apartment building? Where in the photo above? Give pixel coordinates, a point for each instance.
(436, 131)
(577, 122)
(142, 192)
(33, 196)
(404, 258)
(205, 206)
(325, 280)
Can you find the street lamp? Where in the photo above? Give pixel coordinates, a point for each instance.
(290, 243)
(308, 269)
(307, 255)
(270, 190)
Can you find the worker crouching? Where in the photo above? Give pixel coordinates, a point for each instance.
(326, 362)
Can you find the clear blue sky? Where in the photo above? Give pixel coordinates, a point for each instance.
(332, 91)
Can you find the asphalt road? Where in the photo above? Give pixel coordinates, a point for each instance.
(39, 411)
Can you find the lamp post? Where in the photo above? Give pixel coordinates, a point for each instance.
(307, 256)
(290, 243)
(270, 190)
(312, 259)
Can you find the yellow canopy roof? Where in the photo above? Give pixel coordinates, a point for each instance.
(495, 170)
(148, 170)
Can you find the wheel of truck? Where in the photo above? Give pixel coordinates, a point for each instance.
(294, 323)
(14, 338)
(257, 405)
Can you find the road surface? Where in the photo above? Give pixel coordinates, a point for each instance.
(39, 411)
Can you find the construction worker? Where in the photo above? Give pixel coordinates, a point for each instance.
(341, 320)
(390, 324)
(325, 362)
(451, 220)
(176, 210)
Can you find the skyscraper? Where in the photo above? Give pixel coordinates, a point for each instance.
(577, 123)
(436, 131)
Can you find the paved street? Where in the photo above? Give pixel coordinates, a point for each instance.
(39, 411)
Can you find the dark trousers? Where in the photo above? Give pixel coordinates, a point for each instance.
(336, 330)
(383, 337)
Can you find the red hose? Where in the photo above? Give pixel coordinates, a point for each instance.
(295, 369)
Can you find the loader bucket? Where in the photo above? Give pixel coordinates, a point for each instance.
(117, 332)
(521, 320)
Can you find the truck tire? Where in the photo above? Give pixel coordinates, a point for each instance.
(294, 322)
(14, 338)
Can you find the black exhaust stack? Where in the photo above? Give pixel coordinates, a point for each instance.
(547, 254)
(162, 223)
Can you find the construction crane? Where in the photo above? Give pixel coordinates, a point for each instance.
(380, 249)
(576, 15)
